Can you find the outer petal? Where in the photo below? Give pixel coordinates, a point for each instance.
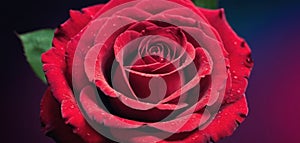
(66, 124)
(55, 70)
(54, 60)
(71, 27)
(88, 97)
(224, 124)
(53, 123)
(239, 53)
(73, 117)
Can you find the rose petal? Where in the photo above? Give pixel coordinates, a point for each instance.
(136, 136)
(190, 5)
(76, 51)
(214, 47)
(182, 12)
(53, 123)
(113, 27)
(132, 109)
(160, 68)
(54, 66)
(88, 101)
(240, 58)
(121, 42)
(175, 20)
(217, 54)
(172, 33)
(205, 68)
(138, 105)
(75, 70)
(93, 10)
(113, 6)
(152, 6)
(223, 124)
(73, 117)
(142, 67)
(99, 58)
(53, 60)
(183, 124)
(140, 84)
(124, 87)
(72, 26)
(140, 26)
(131, 12)
(182, 61)
(120, 83)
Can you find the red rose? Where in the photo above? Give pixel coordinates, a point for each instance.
(145, 71)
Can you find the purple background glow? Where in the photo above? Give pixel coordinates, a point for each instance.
(271, 28)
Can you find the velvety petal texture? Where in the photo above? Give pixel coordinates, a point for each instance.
(145, 71)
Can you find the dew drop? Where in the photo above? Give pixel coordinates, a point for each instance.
(194, 138)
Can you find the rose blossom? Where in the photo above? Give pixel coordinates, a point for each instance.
(145, 71)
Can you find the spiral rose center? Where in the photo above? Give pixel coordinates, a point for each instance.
(151, 50)
(148, 65)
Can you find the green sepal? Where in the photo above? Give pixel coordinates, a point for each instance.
(35, 44)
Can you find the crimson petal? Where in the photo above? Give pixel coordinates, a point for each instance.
(121, 42)
(132, 13)
(72, 26)
(112, 28)
(53, 123)
(88, 101)
(203, 62)
(152, 7)
(183, 124)
(239, 53)
(226, 121)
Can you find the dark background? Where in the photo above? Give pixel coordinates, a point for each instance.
(271, 27)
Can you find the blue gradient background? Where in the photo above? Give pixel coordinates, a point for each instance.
(271, 28)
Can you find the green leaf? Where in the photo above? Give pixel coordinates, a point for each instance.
(211, 4)
(35, 43)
